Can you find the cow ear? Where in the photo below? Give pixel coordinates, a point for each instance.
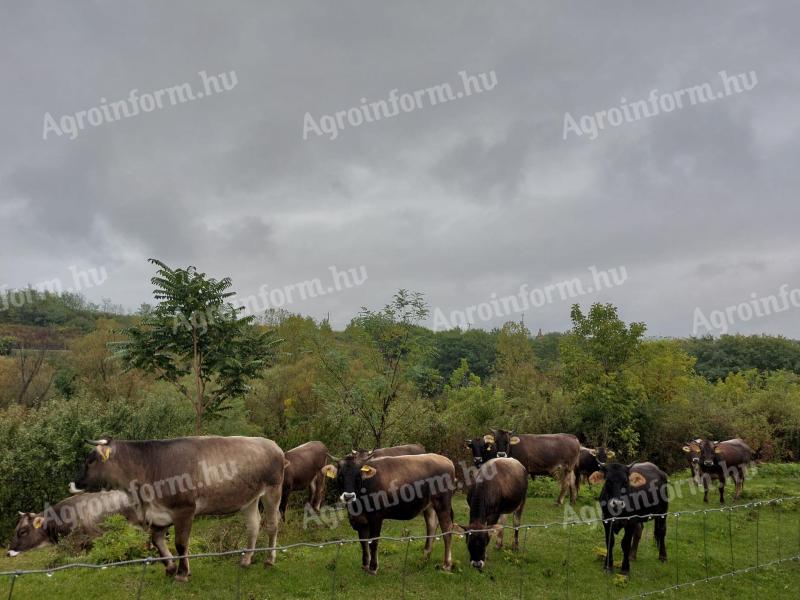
(38, 522)
(458, 528)
(687, 449)
(593, 451)
(514, 440)
(367, 472)
(596, 477)
(468, 444)
(636, 479)
(488, 438)
(717, 450)
(694, 447)
(330, 471)
(495, 529)
(610, 455)
(104, 452)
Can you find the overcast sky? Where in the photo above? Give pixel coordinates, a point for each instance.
(460, 200)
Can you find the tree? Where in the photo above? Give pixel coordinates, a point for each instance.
(195, 334)
(595, 355)
(371, 379)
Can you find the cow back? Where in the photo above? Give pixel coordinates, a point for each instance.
(541, 454)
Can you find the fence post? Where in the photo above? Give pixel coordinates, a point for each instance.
(405, 562)
(566, 563)
(521, 570)
(335, 568)
(11, 589)
(141, 580)
(675, 552)
(705, 541)
(239, 578)
(730, 535)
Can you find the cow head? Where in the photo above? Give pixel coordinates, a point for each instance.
(349, 474)
(619, 484)
(30, 533)
(481, 449)
(502, 440)
(602, 455)
(692, 450)
(478, 536)
(709, 453)
(98, 469)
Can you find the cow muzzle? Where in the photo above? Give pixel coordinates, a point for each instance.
(12, 553)
(502, 455)
(695, 460)
(708, 463)
(478, 564)
(347, 497)
(616, 504)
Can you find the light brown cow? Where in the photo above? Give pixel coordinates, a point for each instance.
(172, 481)
(305, 471)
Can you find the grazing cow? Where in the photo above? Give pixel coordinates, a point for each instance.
(305, 471)
(480, 449)
(171, 481)
(82, 512)
(720, 460)
(499, 488)
(632, 494)
(544, 454)
(589, 461)
(402, 450)
(396, 487)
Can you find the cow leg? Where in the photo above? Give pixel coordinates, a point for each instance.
(578, 478)
(430, 529)
(444, 510)
(626, 548)
(517, 523)
(319, 490)
(637, 536)
(252, 522)
(272, 498)
(284, 502)
(501, 521)
(157, 536)
(363, 535)
(183, 529)
(722, 489)
(705, 478)
(609, 562)
(660, 534)
(737, 483)
(573, 487)
(374, 534)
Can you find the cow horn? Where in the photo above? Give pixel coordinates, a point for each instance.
(332, 457)
(100, 442)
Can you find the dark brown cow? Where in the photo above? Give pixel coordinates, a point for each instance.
(305, 471)
(172, 481)
(542, 454)
(499, 488)
(396, 487)
(720, 460)
(402, 450)
(81, 512)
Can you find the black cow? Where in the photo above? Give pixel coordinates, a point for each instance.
(481, 450)
(500, 487)
(396, 487)
(589, 461)
(719, 460)
(631, 495)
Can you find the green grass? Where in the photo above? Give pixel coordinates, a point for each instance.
(556, 562)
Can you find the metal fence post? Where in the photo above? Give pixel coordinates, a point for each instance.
(141, 580)
(335, 568)
(405, 562)
(11, 589)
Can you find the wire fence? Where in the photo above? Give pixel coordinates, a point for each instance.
(792, 551)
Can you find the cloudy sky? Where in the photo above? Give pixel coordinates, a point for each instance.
(466, 200)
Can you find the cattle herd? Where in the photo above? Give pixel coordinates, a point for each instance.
(159, 484)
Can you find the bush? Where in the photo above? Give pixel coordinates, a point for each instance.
(120, 541)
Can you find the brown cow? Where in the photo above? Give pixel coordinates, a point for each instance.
(172, 481)
(541, 454)
(305, 471)
(499, 488)
(589, 461)
(396, 487)
(720, 460)
(403, 450)
(81, 512)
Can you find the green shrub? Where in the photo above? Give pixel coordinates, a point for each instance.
(120, 541)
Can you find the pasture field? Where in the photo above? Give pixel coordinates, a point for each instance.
(554, 562)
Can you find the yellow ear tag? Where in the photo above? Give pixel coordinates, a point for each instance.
(365, 469)
(38, 522)
(105, 452)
